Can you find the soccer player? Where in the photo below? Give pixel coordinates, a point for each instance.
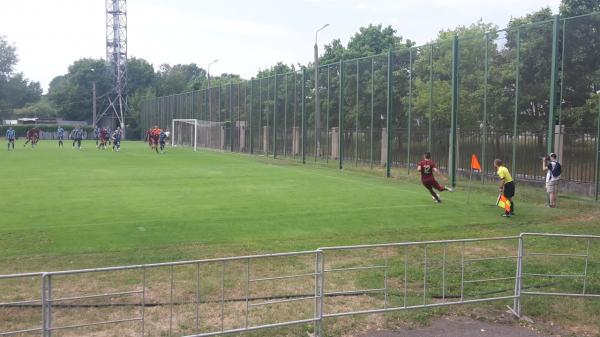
(162, 139)
(96, 134)
(427, 167)
(117, 139)
(10, 136)
(61, 136)
(33, 135)
(507, 186)
(154, 137)
(77, 136)
(103, 138)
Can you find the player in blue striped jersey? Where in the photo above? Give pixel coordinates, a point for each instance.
(10, 136)
(61, 136)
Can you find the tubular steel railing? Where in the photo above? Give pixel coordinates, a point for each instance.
(248, 293)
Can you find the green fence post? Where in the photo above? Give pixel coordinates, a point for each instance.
(328, 153)
(372, 105)
(409, 117)
(303, 108)
(430, 98)
(597, 173)
(251, 113)
(454, 111)
(389, 116)
(341, 116)
(357, 111)
(516, 108)
(275, 119)
(485, 94)
(285, 113)
(553, 81)
(231, 128)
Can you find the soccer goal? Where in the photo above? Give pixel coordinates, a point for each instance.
(197, 133)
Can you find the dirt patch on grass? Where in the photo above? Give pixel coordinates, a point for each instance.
(452, 326)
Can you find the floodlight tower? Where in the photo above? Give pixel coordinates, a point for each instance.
(116, 56)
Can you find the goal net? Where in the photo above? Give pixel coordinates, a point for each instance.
(197, 133)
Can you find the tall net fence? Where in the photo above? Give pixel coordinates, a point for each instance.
(515, 94)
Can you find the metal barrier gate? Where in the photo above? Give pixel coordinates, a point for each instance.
(242, 294)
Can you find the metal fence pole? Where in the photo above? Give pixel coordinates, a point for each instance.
(429, 131)
(285, 113)
(389, 115)
(320, 285)
(454, 111)
(485, 105)
(251, 113)
(275, 119)
(231, 128)
(143, 301)
(516, 109)
(597, 171)
(519, 279)
(553, 81)
(328, 153)
(341, 116)
(357, 112)
(303, 108)
(372, 106)
(46, 305)
(409, 117)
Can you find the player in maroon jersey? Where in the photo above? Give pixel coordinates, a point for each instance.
(32, 136)
(427, 167)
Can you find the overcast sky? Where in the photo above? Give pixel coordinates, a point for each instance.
(244, 35)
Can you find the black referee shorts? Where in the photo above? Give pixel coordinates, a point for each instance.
(509, 189)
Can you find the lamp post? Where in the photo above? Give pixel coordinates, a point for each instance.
(93, 99)
(317, 100)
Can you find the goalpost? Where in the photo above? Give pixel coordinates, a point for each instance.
(184, 132)
(198, 133)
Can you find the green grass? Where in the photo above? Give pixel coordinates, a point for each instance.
(64, 208)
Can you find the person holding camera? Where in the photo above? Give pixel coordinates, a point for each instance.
(553, 170)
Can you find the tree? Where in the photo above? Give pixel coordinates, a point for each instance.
(15, 89)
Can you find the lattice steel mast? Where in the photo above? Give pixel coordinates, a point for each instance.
(116, 56)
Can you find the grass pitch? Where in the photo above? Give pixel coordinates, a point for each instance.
(63, 208)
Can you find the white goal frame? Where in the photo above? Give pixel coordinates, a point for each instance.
(187, 121)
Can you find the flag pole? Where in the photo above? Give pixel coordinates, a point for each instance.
(469, 187)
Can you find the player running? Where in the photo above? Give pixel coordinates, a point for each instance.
(117, 139)
(61, 136)
(104, 136)
(427, 167)
(33, 136)
(153, 137)
(10, 136)
(77, 136)
(162, 139)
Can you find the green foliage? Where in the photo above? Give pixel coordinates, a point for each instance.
(42, 108)
(15, 89)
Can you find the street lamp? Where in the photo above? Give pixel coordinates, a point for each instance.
(93, 99)
(317, 101)
(208, 72)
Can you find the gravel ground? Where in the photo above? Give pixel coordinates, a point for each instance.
(462, 327)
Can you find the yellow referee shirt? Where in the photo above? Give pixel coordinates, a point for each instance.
(504, 174)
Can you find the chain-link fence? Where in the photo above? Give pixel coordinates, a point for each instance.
(515, 94)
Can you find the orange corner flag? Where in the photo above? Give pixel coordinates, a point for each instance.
(475, 163)
(503, 202)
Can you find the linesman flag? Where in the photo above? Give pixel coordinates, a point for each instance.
(475, 163)
(503, 202)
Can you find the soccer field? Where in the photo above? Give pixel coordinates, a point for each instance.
(64, 208)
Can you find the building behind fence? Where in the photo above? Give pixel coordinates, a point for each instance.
(515, 94)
